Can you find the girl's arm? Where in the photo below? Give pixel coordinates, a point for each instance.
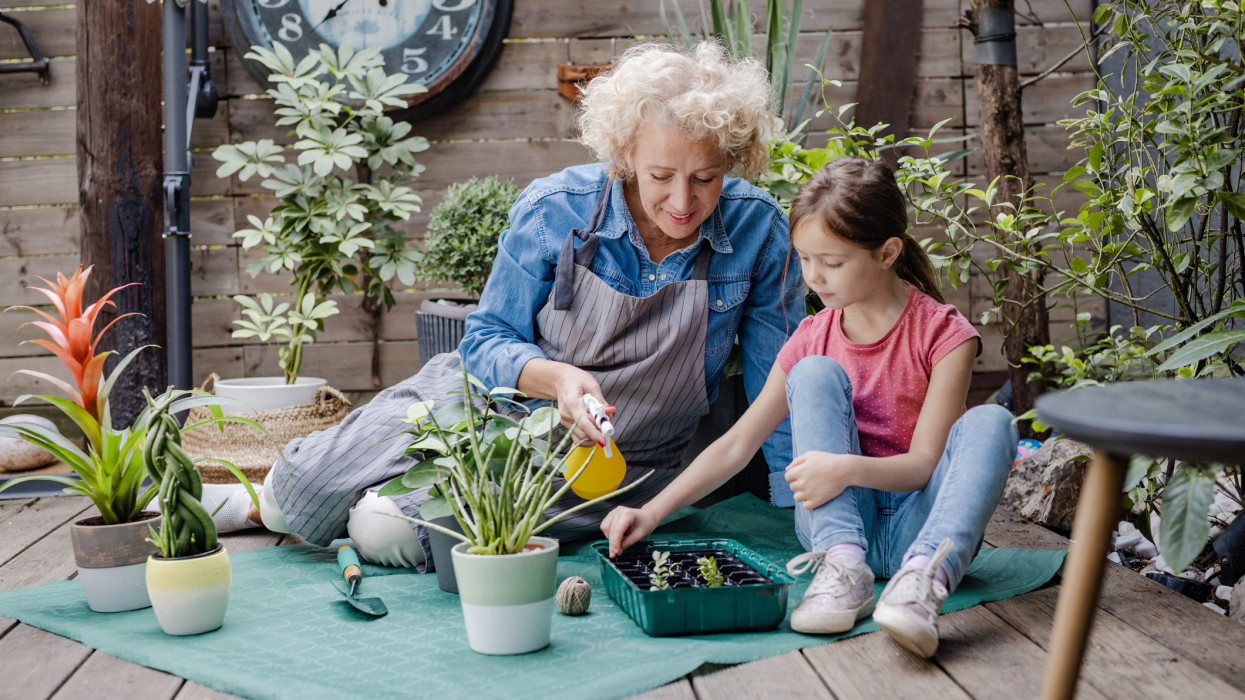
(711, 468)
(817, 477)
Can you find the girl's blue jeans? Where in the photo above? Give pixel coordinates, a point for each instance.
(956, 503)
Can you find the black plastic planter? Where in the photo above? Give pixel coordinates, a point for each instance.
(442, 560)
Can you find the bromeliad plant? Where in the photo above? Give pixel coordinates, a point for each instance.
(109, 468)
(497, 475)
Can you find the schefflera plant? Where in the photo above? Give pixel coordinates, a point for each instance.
(334, 227)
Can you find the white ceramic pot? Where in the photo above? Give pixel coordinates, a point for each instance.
(112, 562)
(190, 594)
(507, 598)
(264, 393)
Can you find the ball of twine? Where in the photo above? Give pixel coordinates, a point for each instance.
(573, 596)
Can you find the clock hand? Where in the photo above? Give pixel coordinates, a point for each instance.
(331, 14)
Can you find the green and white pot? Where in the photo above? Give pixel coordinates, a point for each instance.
(508, 598)
(190, 594)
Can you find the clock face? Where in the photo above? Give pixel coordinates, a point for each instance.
(435, 43)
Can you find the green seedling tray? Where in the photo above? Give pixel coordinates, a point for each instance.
(678, 611)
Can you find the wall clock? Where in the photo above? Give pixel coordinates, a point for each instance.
(448, 46)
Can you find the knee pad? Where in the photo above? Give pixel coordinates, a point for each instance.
(380, 537)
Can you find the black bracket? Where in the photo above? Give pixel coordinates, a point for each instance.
(176, 204)
(38, 65)
(996, 38)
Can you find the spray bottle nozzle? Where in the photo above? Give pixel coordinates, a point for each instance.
(597, 410)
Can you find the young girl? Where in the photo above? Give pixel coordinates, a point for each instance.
(892, 477)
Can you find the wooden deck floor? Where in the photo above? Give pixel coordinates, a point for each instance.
(1147, 641)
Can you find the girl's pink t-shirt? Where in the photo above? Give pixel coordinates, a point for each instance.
(889, 377)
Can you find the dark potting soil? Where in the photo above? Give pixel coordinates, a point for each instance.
(685, 572)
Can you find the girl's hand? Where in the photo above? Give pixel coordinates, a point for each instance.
(816, 478)
(573, 383)
(625, 526)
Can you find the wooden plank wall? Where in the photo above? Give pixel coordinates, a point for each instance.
(515, 126)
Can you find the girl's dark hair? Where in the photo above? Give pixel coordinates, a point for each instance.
(858, 200)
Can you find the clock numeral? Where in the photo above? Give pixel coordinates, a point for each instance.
(443, 28)
(413, 61)
(273, 4)
(291, 27)
(445, 6)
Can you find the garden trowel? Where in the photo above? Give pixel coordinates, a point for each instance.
(353, 572)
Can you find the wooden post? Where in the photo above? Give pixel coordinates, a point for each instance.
(1001, 130)
(888, 61)
(119, 174)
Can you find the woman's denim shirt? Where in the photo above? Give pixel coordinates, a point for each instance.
(755, 288)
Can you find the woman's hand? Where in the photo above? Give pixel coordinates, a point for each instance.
(625, 526)
(571, 386)
(816, 478)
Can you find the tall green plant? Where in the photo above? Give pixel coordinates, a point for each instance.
(334, 226)
(730, 23)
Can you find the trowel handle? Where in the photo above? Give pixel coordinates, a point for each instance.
(349, 562)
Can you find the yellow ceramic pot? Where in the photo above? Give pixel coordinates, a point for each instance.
(190, 594)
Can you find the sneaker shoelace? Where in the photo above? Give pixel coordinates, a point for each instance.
(919, 587)
(831, 577)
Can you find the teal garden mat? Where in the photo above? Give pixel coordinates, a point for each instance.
(288, 634)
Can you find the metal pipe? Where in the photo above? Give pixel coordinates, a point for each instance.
(177, 197)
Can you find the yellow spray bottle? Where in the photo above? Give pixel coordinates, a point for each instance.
(603, 467)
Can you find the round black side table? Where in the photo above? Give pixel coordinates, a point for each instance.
(1195, 420)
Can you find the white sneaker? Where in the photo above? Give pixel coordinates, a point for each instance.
(839, 596)
(910, 603)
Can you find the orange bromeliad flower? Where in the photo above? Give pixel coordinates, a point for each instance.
(71, 337)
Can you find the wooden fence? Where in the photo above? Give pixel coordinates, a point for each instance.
(515, 125)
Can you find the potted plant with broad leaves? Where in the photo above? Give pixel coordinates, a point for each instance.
(459, 248)
(189, 577)
(110, 549)
(334, 227)
(498, 475)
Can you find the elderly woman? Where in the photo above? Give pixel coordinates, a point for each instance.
(627, 280)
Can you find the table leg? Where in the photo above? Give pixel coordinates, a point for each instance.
(1096, 512)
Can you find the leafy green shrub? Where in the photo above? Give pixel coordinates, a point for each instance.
(463, 232)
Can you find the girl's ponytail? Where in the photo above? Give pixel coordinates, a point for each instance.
(914, 267)
(858, 200)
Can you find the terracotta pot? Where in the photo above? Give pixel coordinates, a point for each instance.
(112, 561)
(190, 594)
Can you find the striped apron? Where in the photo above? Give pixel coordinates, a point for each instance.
(648, 355)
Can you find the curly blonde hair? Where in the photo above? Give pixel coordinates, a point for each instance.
(701, 94)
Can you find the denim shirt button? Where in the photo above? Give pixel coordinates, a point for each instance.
(652, 277)
(663, 277)
(719, 302)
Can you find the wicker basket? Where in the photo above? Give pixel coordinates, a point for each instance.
(250, 450)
